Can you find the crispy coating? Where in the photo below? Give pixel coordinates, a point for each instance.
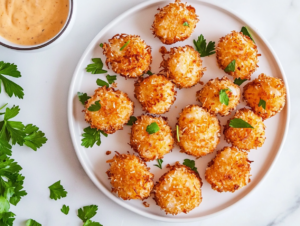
(239, 47)
(199, 131)
(168, 22)
(178, 190)
(183, 67)
(272, 90)
(116, 109)
(210, 92)
(155, 93)
(229, 170)
(246, 138)
(131, 62)
(129, 176)
(151, 146)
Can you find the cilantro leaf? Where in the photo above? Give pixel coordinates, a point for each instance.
(95, 107)
(246, 32)
(262, 103)
(239, 81)
(152, 128)
(186, 24)
(65, 209)
(83, 97)
(230, 67)
(101, 83)
(91, 136)
(34, 137)
(177, 133)
(10, 87)
(131, 121)
(191, 164)
(92, 223)
(57, 191)
(32, 222)
(101, 45)
(159, 161)
(7, 219)
(126, 44)
(223, 97)
(239, 123)
(201, 47)
(96, 67)
(111, 78)
(87, 212)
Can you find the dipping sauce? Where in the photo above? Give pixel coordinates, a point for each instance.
(32, 22)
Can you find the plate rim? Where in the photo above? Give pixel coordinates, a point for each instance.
(84, 164)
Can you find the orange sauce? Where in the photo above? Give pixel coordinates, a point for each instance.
(32, 22)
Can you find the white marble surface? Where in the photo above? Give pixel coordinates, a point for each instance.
(46, 78)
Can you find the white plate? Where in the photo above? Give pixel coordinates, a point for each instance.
(215, 22)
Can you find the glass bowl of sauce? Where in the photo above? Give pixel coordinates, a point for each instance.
(33, 24)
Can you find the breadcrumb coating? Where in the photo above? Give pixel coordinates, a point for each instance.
(210, 92)
(270, 89)
(246, 138)
(178, 190)
(199, 131)
(168, 24)
(229, 170)
(155, 93)
(239, 47)
(131, 62)
(151, 146)
(183, 67)
(116, 109)
(129, 176)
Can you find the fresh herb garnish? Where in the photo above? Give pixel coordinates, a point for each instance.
(125, 45)
(83, 97)
(101, 83)
(111, 78)
(91, 136)
(149, 73)
(92, 223)
(96, 67)
(177, 133)
(186, 24)
(3, 106)
(7, 218)
(10, 87)
(131, 121)
(159, 161)
(239, 81)
(152, 128)
(230, 67)
(101, 45)
(31, 222)
(95, 107)
(87, 212)
(65, 209)
(201, 47)
(246, 32)
(262, 103)
(223, 97)
(57, 191)
(191, 164)
(239, 123)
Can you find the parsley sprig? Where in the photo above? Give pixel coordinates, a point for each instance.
(57, 191)
(91, 136)
(239, 123)
(32, 222)
(202, 48)
(159, 161)
(246, 32)
(223, 97)
(65, 209)
(86, 213)
(152, 128)
(230, 67)
(191, 164)
(96, 67)
(131, 121)
(239, 81)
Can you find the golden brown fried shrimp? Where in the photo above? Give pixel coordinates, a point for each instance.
(174, 22)
(199, 131)
(116, 109)
(209, 96)
(268, 89)
(183, 67)
(239, 47)
(129, 176)
(151, 146)
(179, 190)
(246, 138)
(155, 93)
(229, 170)
(128, 55)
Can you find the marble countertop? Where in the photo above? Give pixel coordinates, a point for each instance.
(46, 78)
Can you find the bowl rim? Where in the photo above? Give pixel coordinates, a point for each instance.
(49, 41)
